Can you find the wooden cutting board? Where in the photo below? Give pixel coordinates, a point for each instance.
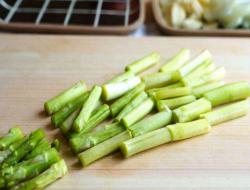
(35, 68)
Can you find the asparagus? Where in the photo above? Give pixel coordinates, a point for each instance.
(192, 111)
(228, 93)
(166, 92)
(227, 112)
(56, 171)
(144, 63)
(117, 106)
(138, 113)
(88, 140)
(194, 63)
(175, 85)
(199, 91)
(122, 77)
(151, 123)
(175, 102)
(13, 135)
(58, 102)
(217, 75)
(145, 142)
(28, 145)
(132, 105)
(103, 149)
(27, 169)
(87, 108)
(115, 90)
(182, 131)
(177, 61)
(42, 146)
(70, 107)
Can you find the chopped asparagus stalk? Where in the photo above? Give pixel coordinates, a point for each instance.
(98, 116)
(56, 171)
(88, 107)
(174, 102)
(228, 93)
(199, 91)
(58, 102)
(151, 123)
(12, 136)
(192, 111)
(156, 80)
(166, 92)
(115, 90)
(56, 144)
(66, 125)
(88, 140)
(42, 146)
(70, 107)
(217, 75)
(122, 77)
(139, 112)
(27, 169)
(182, 131)
(119, 104)
(226, 113)
(145, 142)
(103, 149)
(205, 68)
(176, 62)
(5, 153)
(25, 148)
(175, 85)
(194, 63)
(144, 63)
(132, 105)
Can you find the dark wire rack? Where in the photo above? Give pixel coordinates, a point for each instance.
(71, 16)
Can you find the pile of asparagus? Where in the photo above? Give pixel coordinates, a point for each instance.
(29, 162)
(179, 101)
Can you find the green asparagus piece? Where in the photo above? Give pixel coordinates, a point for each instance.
(166, 92)
(226, 113)
(103, 149)
(119, 104)
(199, 91)
(176, 62)
(217, 75)
(182, 131)
(7, 152)
(27, 146)
(88, 140)
(138, 99)
(56, 171)
(66, 125)
(56, 144)
(175, 85)
(156, 80)
(228, 93)
(144, 63)
(58, 102)
(116, 90)
(192, 111)
(122, 77)
(70, 107)
(13, 135)
(151, 123)
(145, 142)
(42, 146)
(27, 169)
(138, 113)
(87, 108)
(174, 102)
(194, 63)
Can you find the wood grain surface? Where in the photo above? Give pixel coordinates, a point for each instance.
(35, 68)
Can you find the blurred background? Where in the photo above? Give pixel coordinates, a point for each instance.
(127, 17)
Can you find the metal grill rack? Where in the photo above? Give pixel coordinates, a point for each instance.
(71, 15)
